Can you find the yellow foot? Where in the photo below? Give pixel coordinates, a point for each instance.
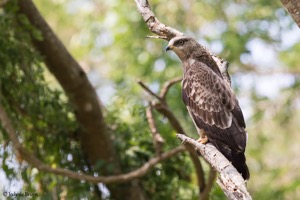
(203, 139)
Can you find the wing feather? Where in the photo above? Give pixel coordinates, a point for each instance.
(208, 97)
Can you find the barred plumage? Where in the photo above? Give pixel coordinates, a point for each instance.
(211, 102)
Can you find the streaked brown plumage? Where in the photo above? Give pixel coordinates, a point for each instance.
(211, 102)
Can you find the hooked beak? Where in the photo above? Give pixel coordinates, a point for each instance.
(169, 47)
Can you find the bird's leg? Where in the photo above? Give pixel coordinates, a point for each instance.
(203, 137)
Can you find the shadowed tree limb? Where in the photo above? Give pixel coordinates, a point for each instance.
(230, 181)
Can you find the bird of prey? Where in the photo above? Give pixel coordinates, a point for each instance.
(211, 102)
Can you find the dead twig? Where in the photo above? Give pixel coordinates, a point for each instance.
(156, 37)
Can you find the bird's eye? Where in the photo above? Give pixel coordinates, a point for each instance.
(181, 42)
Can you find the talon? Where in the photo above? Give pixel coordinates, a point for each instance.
(203, 139)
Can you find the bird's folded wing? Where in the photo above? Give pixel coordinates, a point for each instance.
(209, 98)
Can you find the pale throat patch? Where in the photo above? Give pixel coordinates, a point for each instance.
(191, 61)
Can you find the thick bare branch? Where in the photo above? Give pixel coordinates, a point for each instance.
(293, 7)
(35, 162)
(232, 183)
(153, 23)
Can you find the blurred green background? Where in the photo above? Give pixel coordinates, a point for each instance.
(107, 38)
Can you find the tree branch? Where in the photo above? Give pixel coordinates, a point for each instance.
(231, 182)
(153, 23)
(35, 162)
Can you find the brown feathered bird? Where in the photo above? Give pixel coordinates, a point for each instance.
(211, 102)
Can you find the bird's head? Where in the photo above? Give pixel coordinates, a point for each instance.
(183, 46)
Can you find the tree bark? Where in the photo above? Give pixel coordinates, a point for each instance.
(293, 7)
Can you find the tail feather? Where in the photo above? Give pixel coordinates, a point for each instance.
(239, 162)
(237, 159)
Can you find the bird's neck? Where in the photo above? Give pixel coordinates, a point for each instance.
(207, 59)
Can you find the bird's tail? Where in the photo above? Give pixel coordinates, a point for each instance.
(237, 159)
(239, 162)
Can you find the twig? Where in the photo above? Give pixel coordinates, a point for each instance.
(156, 37)
(231, 182)
(166, 87)
(157, 139)
(148, 90)
(35, 162)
